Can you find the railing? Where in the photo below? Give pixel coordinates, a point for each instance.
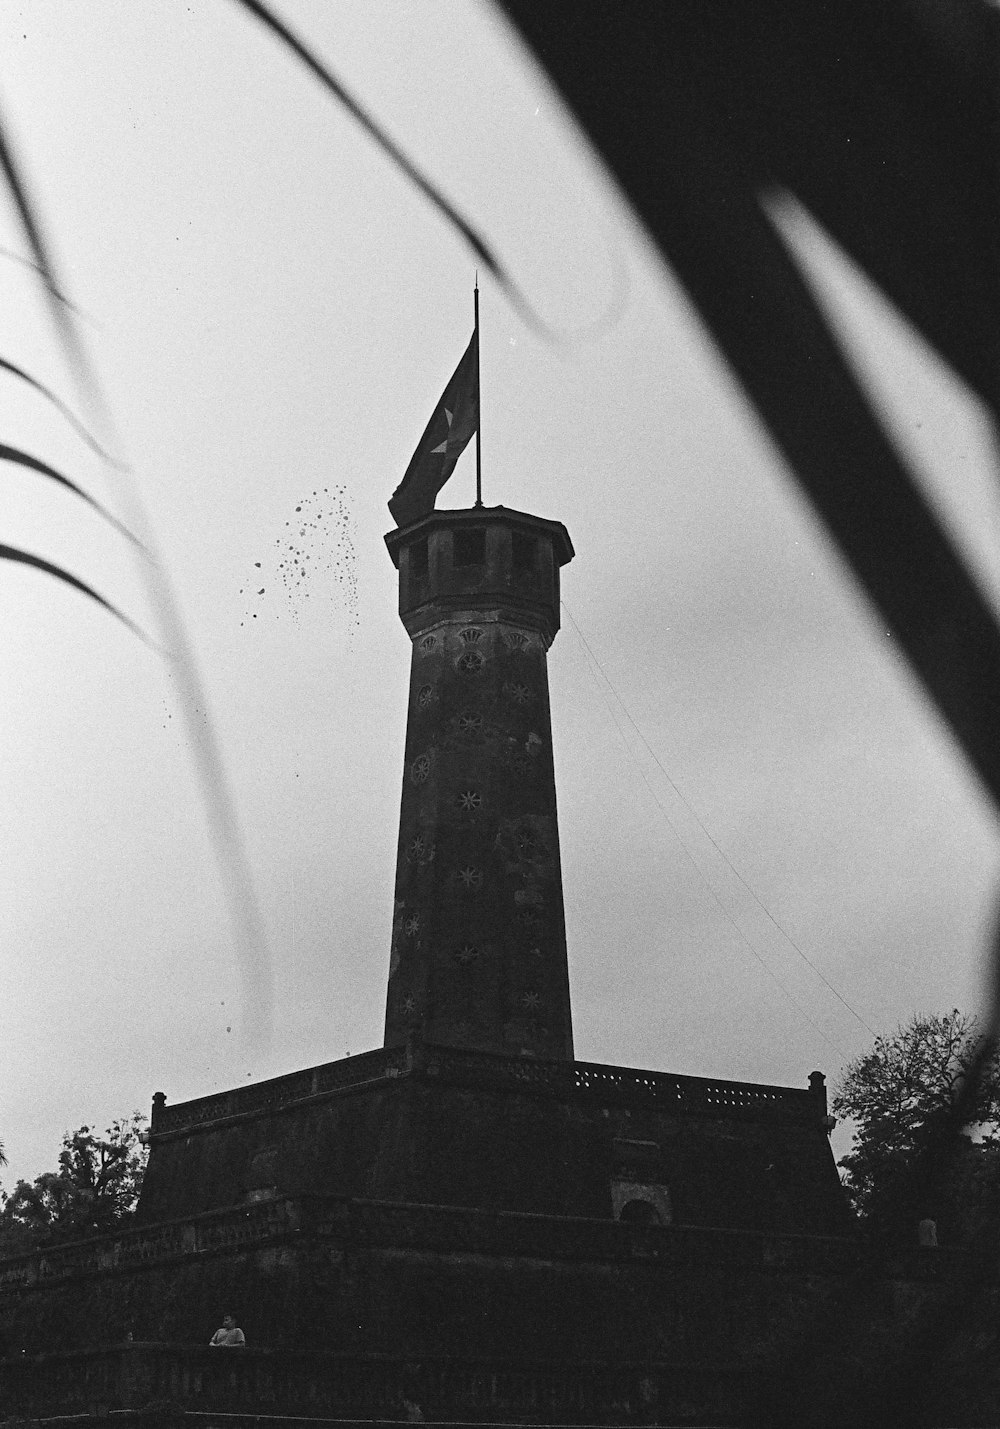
(443, 1229)
(511, 1233)
(243, 1226)
(289, 1382)
(279, 1092)
(591, 1081)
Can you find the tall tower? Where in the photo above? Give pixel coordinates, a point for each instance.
(479, 940)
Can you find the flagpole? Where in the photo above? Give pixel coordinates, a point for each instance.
(479, 402)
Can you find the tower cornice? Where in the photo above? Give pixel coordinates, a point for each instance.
(477, 560)
(562, 546)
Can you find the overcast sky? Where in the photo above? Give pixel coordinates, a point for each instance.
(768, 840)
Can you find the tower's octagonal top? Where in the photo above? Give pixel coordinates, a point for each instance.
(480, 558)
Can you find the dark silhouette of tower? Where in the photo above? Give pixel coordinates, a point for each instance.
(478, 939)
(475, 1098)
(465, 1220)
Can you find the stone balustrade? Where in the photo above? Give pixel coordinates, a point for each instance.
(589, 1081)
(444, 1229)
(593, 1081)
(384, 1063)
(324, 1387)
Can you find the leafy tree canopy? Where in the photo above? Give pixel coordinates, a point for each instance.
(94, 1191)
(907, 1160)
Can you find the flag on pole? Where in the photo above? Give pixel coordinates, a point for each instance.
(448, 433)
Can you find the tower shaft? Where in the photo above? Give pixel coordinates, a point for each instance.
(479, 942)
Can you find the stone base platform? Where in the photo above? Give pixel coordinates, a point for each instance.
(184, 1383)
(481, 1239)
(360, 1310)
(450, 1126)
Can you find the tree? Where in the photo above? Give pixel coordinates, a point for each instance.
(94, 1191)
(908, 1159)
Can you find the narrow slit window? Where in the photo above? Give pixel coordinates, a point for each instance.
(418, 561)
(523, 552)
(469, 548)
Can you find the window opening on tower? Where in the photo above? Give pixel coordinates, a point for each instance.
(418, 560)
(523, 550)
(469, 547)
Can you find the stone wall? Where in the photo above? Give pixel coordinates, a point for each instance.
(474, 1314)
(478, 955)
(390, 1278)
(456, 1127)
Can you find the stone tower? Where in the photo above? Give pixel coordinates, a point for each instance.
(467, 1219)
(478, 954)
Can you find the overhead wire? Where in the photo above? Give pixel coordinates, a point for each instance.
(595, 665)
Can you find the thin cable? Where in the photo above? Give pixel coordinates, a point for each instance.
(719, 850)
(697, 867)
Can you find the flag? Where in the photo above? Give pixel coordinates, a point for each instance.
(448, 433)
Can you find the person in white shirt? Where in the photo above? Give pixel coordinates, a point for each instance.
(229, 1337)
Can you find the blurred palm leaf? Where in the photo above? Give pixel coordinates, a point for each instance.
(11, 553)
(394, 152)
(42, 262)
(57, 402)
(14, 454)
(251, 948)
(883, 121)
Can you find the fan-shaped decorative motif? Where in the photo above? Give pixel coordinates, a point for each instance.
(515, 640)
(428, 643)
(471, 635)
(471, 662)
